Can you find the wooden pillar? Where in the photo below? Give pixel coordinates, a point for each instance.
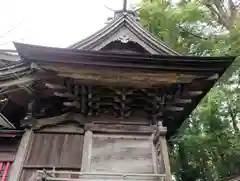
(160, 140)
(154, 156)
(87, 151)
(165, 156)
(17, 165)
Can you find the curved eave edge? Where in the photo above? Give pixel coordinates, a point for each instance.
(158, 45)
(27, 50)
(185, 114)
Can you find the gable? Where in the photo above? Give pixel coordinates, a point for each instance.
(125, 29)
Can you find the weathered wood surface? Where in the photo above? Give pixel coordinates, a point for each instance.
(52, 121)
(103, 128)
(62, 128)
(87, 151)
(33, 175)
(121, 155)
(28, 175)
(103, 119)
(165, 157)
(16, 167)
(106, 178)
(60, 150)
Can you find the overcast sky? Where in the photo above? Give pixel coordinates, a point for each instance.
(56, 23)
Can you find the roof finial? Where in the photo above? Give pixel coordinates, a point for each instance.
(124, 5)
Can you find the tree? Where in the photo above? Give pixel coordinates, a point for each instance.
(208, 147)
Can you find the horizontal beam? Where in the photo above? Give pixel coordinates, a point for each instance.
(44, 122)
(55, 86)
(195, 93)
(71, 104)
(136, 129)
(183, 101)
(49, 167)
(173, 108)
(64, 95)
(102, 173)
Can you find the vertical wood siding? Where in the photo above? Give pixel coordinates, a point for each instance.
(126, 155)
(50, 150)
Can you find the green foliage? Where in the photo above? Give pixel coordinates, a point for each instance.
(208, 148)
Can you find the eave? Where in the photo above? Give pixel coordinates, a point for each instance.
(192, 64)
(53, 62)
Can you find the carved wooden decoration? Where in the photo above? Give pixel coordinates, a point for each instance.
(124, 39)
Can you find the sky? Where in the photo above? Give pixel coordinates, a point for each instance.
(56, 23)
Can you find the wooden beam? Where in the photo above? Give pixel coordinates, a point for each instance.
(73, 117)
(183, 101)
(25, 81)
(65, 94)
(67, 128)
(71, 104)
(136, 129)
(54, 86)
(213, 77)
(50, 167)
(195, 93)
(172, 108)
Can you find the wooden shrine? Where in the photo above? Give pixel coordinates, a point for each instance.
(102, 108)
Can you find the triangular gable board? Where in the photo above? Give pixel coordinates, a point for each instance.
(124, 26)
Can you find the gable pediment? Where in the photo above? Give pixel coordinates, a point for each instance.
(124, 29)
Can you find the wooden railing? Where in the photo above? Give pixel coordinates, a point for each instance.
(51, 176)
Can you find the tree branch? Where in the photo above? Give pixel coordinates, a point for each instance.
(218, 14)
(192, 34)
(233, 118)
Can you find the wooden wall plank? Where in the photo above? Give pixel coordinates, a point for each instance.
(59, 150)
(122, 155)
(72, 151)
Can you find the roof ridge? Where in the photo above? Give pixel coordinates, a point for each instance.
(105, 28)
(138, 30)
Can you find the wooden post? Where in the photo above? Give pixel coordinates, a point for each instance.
(165, 156)
(154, 156)
(16, 167)
(87, 151)
(164, 151)
(160, 142)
